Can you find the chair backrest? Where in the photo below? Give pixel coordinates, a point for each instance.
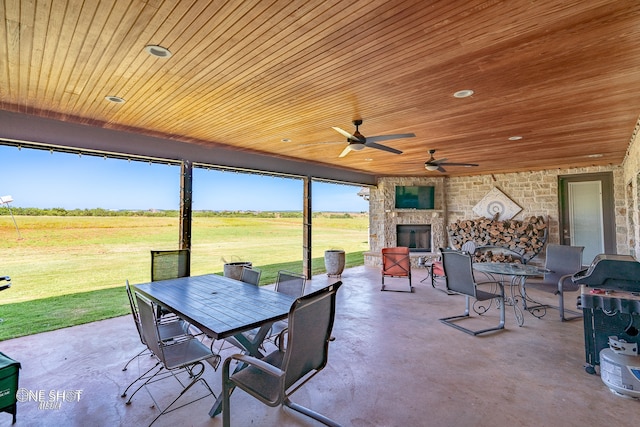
(291, 284)
(134, 311)
(458, 271)
(469, 247)
(562, 260)
(310, 324)
(149, 324)
(250, 275)
(396, 261)
(170, 264)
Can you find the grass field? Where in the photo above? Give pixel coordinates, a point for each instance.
(71, 270)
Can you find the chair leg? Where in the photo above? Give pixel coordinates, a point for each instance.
(562, 310)
(195, 377)
(450, 321)
(227, 388)
(141, 377)
(309, 413)
(143, 351)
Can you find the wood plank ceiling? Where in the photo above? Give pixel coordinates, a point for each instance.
(275, 76)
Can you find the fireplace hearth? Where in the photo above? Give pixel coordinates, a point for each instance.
(417, 237)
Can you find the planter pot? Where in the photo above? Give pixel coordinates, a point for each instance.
(233, 270)
(334, 262)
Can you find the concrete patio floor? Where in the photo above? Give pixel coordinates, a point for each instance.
(392, 364)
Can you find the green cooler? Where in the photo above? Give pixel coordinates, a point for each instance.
(8, 384)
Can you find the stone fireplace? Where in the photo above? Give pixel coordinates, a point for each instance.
(390, 226)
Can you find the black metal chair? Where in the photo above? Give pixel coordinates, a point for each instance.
(458, 272)
(170, 264)
(4, 286)
(302, 353)
(185, 355)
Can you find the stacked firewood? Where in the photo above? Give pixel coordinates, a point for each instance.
(508, 240)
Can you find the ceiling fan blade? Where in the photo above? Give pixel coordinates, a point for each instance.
(345, 133)
(441, 169)
(460, 164)
(439, 161)
(345, 151)
(381, 147)
(387, 137)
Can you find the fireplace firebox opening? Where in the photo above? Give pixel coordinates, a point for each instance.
(417, 237)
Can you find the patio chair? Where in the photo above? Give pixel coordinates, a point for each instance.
(562, 262)
(250, 275)
(291, 284)
(5, 283)
(396, 263)
(437, 270)
(180, 356)
(169, 330)
(170, 264)
(459, 279)
(299, 357)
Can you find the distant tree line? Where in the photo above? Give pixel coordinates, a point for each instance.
(4, 210)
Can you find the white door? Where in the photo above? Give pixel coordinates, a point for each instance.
(585, 217)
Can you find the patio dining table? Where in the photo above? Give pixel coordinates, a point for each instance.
(221, 307)
(518, 274)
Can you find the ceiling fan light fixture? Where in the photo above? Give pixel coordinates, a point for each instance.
(431, 168)
(356, 146)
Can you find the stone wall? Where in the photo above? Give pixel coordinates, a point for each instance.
(536, 192)
(631, 181)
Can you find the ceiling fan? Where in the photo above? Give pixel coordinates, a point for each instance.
(436, 165)
(357, 141)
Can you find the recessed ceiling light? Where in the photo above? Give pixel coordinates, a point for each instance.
(593, 156)
(285, 140)
(515, 138)
(115, 99)
(463, 93)
(368, 159)
(159, 51)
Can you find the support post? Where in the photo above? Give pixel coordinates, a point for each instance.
(186, 190)
(306, 233)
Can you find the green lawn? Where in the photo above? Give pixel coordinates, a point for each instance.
(71, 270)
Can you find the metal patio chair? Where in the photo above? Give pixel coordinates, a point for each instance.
(302, 353)
(173, 329)
(170, 264)
(396, 263)
(291, 284)
(250, 275)
(5, 283)
(561, 262)
(459, 279)
(179, 356)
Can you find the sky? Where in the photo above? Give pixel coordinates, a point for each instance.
(43, 179)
